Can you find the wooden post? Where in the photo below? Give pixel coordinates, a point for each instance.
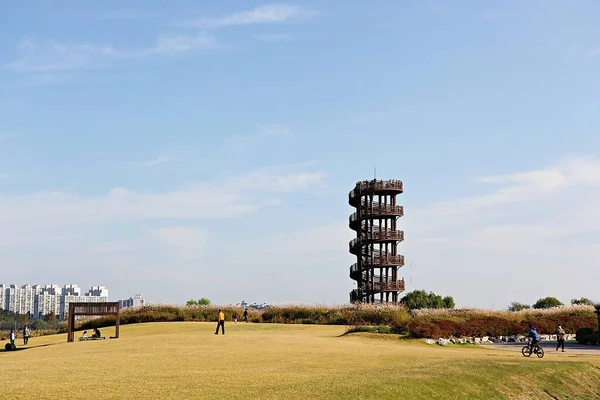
(117, 321)
(71, 323)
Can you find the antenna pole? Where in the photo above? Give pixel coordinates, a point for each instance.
(375, 173)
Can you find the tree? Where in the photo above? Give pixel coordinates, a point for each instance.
(204, 302)
(51, 320)
(582, 301)
(23, 320)
(547, 302)
(421, 299)
(448, 302)
(516, 306)
(38, 324)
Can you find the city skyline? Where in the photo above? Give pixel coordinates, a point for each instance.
(206, 149)
(40, 300)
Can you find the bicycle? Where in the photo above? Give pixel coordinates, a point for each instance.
(528, 349)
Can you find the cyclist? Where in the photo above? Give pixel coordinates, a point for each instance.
(535, 338)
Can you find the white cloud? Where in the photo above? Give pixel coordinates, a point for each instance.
(49, 55)
(33, 216)
(170, 44)
(132, 240)
(282, 182)
(594, 52)
(158, 160)
(273, 37)
(188, 242)
(240, 143)
(267, 14)
(515, 242)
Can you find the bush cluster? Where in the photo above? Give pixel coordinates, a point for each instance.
(588, 336)
(355, 315)
(479, 323)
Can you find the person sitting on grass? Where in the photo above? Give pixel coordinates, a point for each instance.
(84, 336)
(96, 333)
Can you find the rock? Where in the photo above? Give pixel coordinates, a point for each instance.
(477, 340)
(485, 339)
(442, 342)
(429, 341)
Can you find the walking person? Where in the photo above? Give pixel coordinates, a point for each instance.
(235, 318)
(560, 335)
(12, 336)
(246, 315)
(25, 335)
(221, 323)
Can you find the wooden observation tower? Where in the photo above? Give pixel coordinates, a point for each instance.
(376, 243)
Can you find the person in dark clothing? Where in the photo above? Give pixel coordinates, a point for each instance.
(246, 315)
(25, 335)
(221, 323)
(560, 336)
(535, 338)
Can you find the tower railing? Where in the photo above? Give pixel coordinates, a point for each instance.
(387, 234)
(377, 210)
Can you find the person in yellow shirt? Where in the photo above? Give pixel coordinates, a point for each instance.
(221, 323)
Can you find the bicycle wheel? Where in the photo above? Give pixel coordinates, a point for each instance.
(526, 351)
(540, 352)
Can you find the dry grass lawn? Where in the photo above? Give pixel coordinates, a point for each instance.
(267, 361)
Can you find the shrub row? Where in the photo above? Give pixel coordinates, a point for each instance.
(572, 310)
(322, 315)
(477, 326)
(424, 324)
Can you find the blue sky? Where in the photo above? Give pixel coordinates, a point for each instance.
(207, 148)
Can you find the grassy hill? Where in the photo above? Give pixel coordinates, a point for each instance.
(185, 360)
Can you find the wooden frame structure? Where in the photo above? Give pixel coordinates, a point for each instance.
(108, 308)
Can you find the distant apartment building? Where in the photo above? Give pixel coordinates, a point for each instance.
(38, 301)
(135, 301)
(3, 297)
